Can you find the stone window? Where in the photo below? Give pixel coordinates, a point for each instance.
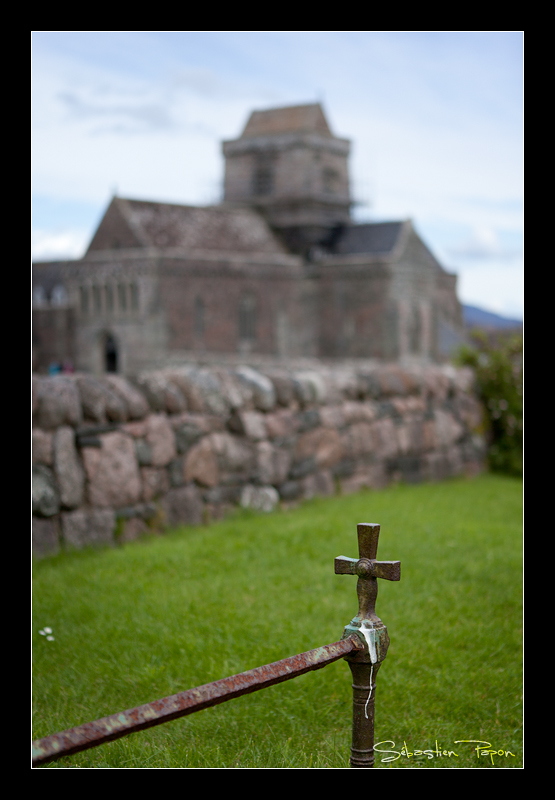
(330, 179)
(263, 178)
(109, 298)
(39, 296)
(122, 297)
(134, 289)
(199, 317)
(415, 332)
(59, 295)
(97, 299)
(84, 293)
(247, 318)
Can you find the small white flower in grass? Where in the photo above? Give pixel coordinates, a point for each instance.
(49, 638)
(47, 632)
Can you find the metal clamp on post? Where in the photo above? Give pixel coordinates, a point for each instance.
(370, 629)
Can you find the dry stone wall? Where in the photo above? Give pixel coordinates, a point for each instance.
(114, 458)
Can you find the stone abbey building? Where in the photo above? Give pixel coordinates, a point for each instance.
(278, 269)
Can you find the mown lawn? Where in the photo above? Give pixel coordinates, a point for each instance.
(149, 619)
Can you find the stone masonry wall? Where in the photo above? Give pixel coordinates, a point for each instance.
(114, 458)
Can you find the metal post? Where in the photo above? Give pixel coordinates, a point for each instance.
(369, 627)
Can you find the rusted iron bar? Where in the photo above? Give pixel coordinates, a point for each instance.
(115, 726)
(367, 625)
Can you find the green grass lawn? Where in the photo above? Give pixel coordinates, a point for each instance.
(149, 619)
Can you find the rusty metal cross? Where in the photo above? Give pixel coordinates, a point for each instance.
(368, 570)
(369, 627)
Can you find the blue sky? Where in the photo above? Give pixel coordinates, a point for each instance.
(435, 120)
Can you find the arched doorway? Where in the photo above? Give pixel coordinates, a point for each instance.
(110, 354)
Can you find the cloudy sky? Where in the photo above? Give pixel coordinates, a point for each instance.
(435, 120)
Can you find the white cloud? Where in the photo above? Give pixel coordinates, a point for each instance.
(50, 246)
(135, 115)
(484, 243)
(494, 286)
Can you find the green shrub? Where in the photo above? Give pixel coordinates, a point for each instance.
(498, 366)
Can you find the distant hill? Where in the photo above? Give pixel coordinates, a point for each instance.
(478, 318)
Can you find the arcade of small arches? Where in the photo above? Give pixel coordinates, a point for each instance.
(57, 297)
(108, 298)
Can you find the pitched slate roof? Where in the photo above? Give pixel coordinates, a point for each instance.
(165, 225)
(293, 119)
(374, 237)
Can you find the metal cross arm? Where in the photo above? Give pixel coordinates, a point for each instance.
(368, 568)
